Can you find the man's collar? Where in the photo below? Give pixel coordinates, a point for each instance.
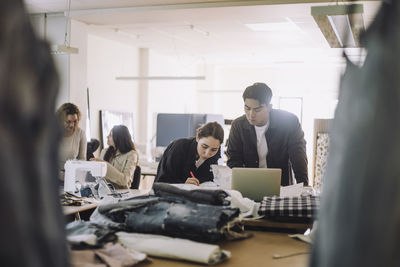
(271, 119)
(270, 122)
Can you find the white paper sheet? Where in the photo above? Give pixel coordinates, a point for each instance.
(291, 190)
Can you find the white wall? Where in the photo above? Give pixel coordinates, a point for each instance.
(71, 68)
(106, 60)
(170, 96)
(52, 29)
(78, 70)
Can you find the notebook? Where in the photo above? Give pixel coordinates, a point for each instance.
(256, 183)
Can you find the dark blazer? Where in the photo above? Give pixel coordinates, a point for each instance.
(286, 146)
(179, 160)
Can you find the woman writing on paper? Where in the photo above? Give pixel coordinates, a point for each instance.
(121, 157)
(189, 160)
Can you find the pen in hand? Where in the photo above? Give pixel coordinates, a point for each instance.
(196, 182)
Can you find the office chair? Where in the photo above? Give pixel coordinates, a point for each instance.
(92, 146)
(136, 178)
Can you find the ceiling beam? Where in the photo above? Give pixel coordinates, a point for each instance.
(327, 30)
(341, 24)
(165, 5)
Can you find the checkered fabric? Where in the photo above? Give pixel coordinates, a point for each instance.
(304, 206)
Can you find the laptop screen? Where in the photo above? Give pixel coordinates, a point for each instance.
(256, 183)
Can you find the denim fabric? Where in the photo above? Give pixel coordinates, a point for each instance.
(116, 211)
(173, 217)
(103, 234)
(212, 197)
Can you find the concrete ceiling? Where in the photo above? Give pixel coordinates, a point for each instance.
(210, 31)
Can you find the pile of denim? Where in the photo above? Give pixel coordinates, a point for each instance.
(203, 196)
(173, 214)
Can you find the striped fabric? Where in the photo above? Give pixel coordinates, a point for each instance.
(304, 206)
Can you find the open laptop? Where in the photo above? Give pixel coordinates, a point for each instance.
(256, 183)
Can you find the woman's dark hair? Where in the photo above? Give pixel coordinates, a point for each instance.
(122, 140)
(213, 129)
(258, 91)
(68, 109)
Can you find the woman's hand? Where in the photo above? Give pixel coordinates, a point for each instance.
(192, 180)
(96, 159)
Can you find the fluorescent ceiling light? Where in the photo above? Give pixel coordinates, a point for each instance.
(341, 24)
(160, 78)
(275, 26)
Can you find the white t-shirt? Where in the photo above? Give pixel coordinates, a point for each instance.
(262, 146)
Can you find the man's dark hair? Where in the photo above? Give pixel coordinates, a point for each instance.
(258, 91)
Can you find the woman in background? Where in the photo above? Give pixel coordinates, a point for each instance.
(73, 144)
(188, 160)
(121, 157)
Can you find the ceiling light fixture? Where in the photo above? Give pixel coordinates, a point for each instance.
(340, 24)
(65, 48)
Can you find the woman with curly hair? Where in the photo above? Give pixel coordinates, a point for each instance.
(73, 144)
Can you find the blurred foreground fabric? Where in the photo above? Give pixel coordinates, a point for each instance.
(32, 227)
(359, 220)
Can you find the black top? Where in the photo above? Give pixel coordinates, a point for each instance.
(179, 160)
(286, 146)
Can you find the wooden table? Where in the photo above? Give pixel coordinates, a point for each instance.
(267, 224)
(76, 210)
(255, 251)
(148, 171)
(70, 210)
(148, 174)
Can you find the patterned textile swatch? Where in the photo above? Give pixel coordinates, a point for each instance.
(321, 159)
(304, 206)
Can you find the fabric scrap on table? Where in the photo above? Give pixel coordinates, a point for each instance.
(173, 248)
(112, 255)
(81, 234)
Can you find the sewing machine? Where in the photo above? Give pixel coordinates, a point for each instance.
(75, 168)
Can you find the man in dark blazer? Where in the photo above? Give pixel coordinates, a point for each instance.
(267, 138)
